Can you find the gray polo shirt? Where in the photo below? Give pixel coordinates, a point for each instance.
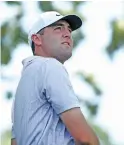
(43, 93)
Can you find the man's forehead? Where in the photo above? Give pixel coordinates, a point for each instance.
(63, 22)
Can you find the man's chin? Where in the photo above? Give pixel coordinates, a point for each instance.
(64, 58)
(67, 57)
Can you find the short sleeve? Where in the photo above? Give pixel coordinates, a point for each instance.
(59, 89)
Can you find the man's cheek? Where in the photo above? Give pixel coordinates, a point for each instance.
(72, 44)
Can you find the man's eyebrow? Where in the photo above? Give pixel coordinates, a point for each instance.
(59, 24)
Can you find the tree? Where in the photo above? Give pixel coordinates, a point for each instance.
(5, 137)
(12, 34)
(117, 39)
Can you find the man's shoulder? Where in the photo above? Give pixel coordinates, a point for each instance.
(43, 64)
(39, 60)
(47, 60)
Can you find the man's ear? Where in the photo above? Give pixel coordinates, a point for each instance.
(36, 39)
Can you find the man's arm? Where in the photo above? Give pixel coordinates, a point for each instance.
(62, 99)
(13, 141)
(79, 128)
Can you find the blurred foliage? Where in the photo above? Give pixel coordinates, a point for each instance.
(78, 3)
(45, 6)
(9, 95)
(77, 37)
(91, 105)
(105, 139)
(13, 2)
(91, 81)
(12, 34)
(6, 137)
(117, 39)
(9, 41)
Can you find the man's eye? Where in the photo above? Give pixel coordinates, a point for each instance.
(70, 30)
(59, 28)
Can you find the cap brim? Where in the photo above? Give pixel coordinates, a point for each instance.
(74, 21)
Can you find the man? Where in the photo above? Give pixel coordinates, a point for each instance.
(46, 109)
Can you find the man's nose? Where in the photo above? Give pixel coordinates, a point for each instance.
(67, 33)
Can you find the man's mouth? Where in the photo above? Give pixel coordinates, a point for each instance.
(66, 43)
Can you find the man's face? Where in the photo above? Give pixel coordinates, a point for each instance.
(57, 41)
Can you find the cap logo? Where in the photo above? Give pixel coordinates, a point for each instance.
(57, 15)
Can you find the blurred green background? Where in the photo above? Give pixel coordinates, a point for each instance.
(14, 33)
